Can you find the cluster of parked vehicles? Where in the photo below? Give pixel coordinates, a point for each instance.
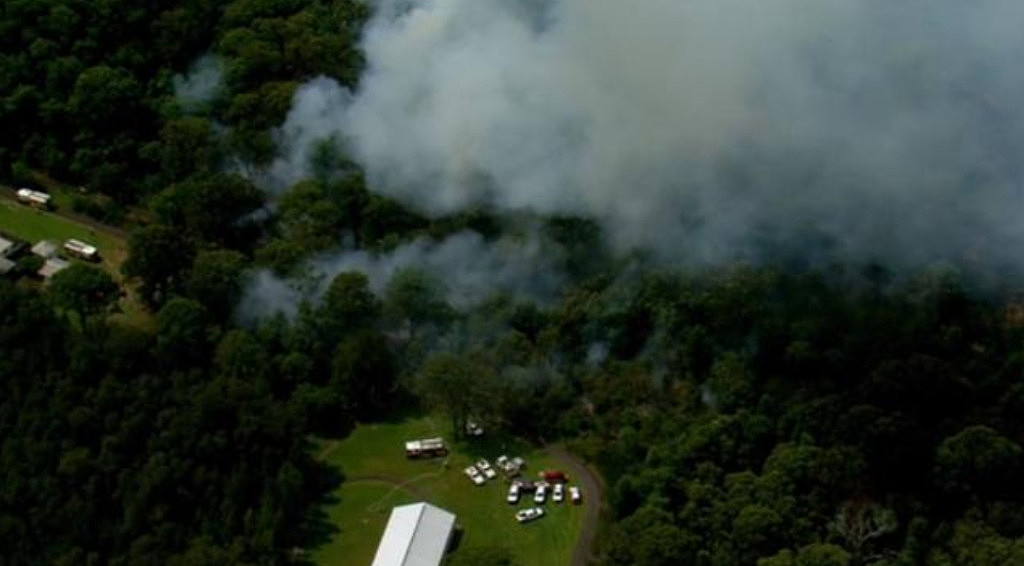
(541, 489)
(551, 484)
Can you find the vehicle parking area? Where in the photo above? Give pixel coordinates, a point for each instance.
(546, 487)
(400, 462)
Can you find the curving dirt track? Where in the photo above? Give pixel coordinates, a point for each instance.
(593, 495)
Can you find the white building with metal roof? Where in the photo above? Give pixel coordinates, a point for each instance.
(45, 249)
(6, 246)
(416, 535)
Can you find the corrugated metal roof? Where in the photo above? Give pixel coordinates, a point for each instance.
(416, 535)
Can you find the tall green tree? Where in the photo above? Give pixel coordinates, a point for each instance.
(212, 208)
(365, 373)
(160, 257)
(83, 289)
(182, 339)
(414, 297)
(457, 386)
(349, 304)
(215, 281)
(976, 462)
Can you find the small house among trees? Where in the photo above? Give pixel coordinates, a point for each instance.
(53, 266)
(45, 249)
(6, 247)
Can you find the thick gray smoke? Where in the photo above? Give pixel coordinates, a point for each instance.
(705, 130)
(202, 83)
(470, 268)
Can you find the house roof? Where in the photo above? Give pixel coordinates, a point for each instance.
(45, 248)
(5, 247)
(6, 266)
(416, 535)
(52, 266)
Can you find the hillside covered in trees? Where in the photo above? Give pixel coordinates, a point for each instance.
(777, 412)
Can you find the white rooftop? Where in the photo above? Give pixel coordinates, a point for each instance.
(5, 246)
(416, 535)
(53, 266)
(79, 246)
(45, 249)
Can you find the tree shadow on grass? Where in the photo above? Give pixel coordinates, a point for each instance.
(456, 540)
(494, 444)
(406, 407)
(317, 529)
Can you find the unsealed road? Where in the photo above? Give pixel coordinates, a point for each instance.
(593, 495)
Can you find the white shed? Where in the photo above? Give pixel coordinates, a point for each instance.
(45, 249)
(416, 535)
(6, 246)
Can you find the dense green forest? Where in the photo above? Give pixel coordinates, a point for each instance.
(88, 91)
(746, 415)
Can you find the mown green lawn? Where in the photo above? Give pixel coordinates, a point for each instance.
(34, 225)
(373, 460)
(360, 516)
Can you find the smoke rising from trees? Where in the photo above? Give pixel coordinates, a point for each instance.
(202, 83)
(705, 131)
(470, 268)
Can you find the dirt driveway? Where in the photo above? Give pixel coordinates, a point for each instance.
(593, 495)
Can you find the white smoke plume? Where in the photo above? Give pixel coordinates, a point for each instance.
(703, 130)
(201, 84)
(470, 268)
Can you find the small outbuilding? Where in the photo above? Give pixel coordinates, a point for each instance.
(53, 266)
(6, 266)
(416, 535)
(6, 247)
(45, 249)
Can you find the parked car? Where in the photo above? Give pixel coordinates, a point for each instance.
(527, 515)
(510, 466)
(474, 475)
(525, 485)
(558, 493)
(541, 494)
(554, 476)
(485, 468)
(513, 494)
(474, 429)
(575, 495)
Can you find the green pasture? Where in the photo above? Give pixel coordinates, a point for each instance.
(379, 477)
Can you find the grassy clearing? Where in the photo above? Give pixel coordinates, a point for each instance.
(360, 507)
(370, 501)
(34, 225)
